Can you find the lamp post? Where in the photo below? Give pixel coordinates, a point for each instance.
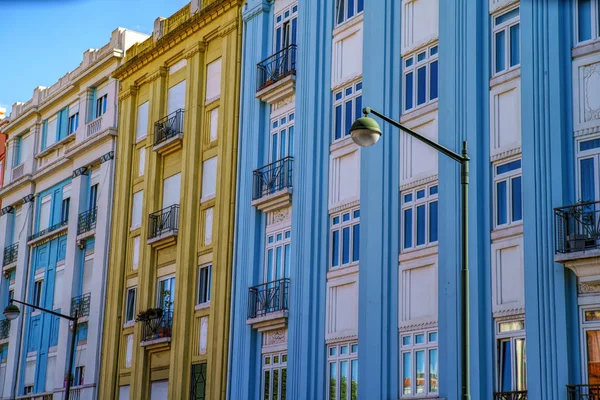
(12, 312)
(366, 132)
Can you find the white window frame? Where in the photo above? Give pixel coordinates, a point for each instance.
(135, 257)
(506, 177)
(37, 297)
(282, 125)
(350, 93)
(281, 21)
(73, 123)
(513, 336)
(505, 26)
(584, 326)
(171, 294)
(593, 153)
(345, 17)
(337, 225)
(413, 205)
(277, 243)
(101, 104)
(137, 224)
(429, 344)
(129, 291)
(270, 367)
(203, 293)
(411, 64)
(335, 357)
(595, 23)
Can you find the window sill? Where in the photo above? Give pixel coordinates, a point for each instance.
(356, 19)
(55, 146)
(430, 249)
(419, 111)
(338, 272)
(129, 324)
(586, 48)
(506, 231)
(505, 76)
(202, 306)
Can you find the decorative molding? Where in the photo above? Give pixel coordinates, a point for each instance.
(584, 288)
(587, 131)
(199, 47)
(405, 326)
(7, 210)
(107, 157)
(588, 72)
(226, 30)
(505, 77)
(130, 91)
(256, 11)
(161, 72)
(80, 171)
(279, 215)
(28, 199)
(275, 337)
(285, 102)
(510, 312)
(419, 182)
(505, 154)
(344, 206)
(340, 338)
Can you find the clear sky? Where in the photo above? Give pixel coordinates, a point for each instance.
(41, 40)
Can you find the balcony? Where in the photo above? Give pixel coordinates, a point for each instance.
(81, 305)
(276, 76)
(577, 238)
(157, 325)
(4, 328)
(17, 172)
(519, 395)
(49, 230)
(164, 225)
(583, 392)
(268, 305)
(272, 185)
(168, 132)
(10, 254)
(94, 127)
(87, 221)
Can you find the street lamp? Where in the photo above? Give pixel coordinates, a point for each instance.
(12, 312)
(366, 132)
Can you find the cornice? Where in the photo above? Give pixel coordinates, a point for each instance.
(161, 72)
(227, 29)
(130, 91)
(255, 11)
(199, 47)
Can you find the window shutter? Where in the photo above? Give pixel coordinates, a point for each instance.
(92, 107)
(63, 117)
(17, 152)
(176, 98)
(44, 133)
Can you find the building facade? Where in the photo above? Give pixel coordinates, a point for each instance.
(168, 298)
(54, 228)
(346, 263)
(3, 121)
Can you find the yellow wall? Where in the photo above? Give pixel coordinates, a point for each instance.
(214, 32)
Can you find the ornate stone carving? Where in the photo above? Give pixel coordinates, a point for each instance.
(588, 288)
(283, 214)
(284, 102)
(275, 337)
(159, 73)
(591, 81)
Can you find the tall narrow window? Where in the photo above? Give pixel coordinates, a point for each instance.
(278, 253)
(506, 42)
(166, 293)
(45, 212)
(204, 284)
(93, 196)
(73, 123)
(101, 106)
(64, 211)
(419, 363)
(347, 9)
(508, 194)
(198, 382)
(511, 356)
(136, 209)
(420, 78)
(345, 238)
(590, 327)
(130, 305)
(419, 216)
(343, 371)
(274, 376)
(347, 107)
(286, 29)
(282, 137)
(37, 293)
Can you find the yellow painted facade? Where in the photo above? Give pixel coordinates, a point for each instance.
(201, 47)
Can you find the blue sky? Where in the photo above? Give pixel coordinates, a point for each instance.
(44, 39)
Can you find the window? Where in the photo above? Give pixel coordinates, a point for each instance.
(420, 78)
(142, 161)
(171, 191)
(346, 9)
(49, 130)
(166, 293)
(37, 293)
(508, 193)
(209, 179)
(419, 363)
(82, 333)
(93, 196)
(73, 123)
(204, 283)
(28, 389)
(79, 374)
(141, 125)
(64, 210)
(343, 371)
(510, 356)
(286, 29)
(590, 335)
(198, 382)
(130, 306)
(17, 151)
(136, 253)
(347, 107)
(101, 104)
(213, 131)
(44, 215)
(506, 46)
(345, 238)
(274, 374)
(588, 20)
(278, 255)
(282, 137)
(588, 157)
(136, 209)
(419, 216)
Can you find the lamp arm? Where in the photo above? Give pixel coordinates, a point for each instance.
(449, 153)
(43, 309)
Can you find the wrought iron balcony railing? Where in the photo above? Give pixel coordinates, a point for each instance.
(276, 67)
(272, 178)
(81, 304)
(583, 392)
(163, 222)
(49, 229)
(268, 298)
(4, 328)
(517, 395)
(75, 394)
(10, 254)
(87, 221)
(158, 327)
(577, 227)
(169, 126)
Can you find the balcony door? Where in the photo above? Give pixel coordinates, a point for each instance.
(166, 293)
(171, 190)
(282, 137)
(278, 255)
(286, 28)
(590, 331)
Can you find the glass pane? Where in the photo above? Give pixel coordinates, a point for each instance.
(354, 387)
(291, 145)
(421, 56)
(515, 46)
(332, 351)
(433, 370)
(505, 378)
(420, 194)
(346, 245)
(278, 263)
(283, 149)
(589, 144)
(361, 6)
(408, 228)
(357, 110)
(343, 380)
(588, 190)
(420, 339)
(343, 350)
(512, 326)
(433, 190)
(500, 51)
(433, 221)
(501, 202)
(270, 273)
(433, 337)
(521, 364)
(408, 198)
(408, 94)
(421, 85)
(335, 249)
(517, 202)
(283, 383)
(433, 80)
(592, 315)
(584, 13)
(420, 371)
(349, 118)
(332, 380)
(420, 225)
(405, 340)
(355, 242)
(275, 385)
(346, 217)
(267, 385)
(593, 356)
(406, 373)
(338, 122)
(350, 4)
(286, 269)
(508, 16)
(511, 166)
(274, 148)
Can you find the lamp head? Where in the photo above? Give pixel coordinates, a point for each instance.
(11, 312)
(365, 131)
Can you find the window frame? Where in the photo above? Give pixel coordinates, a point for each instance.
(283, 243)
(505, 27)
(594, 23)
(159, 299)
(79, 378)
(101, 106)
(131, 312)
(73, 123)
(203, 293)
(591, 153)
(270, 367)
(282, 126)
(412, 348)
(334, 357)
(512, 336)
(65, 207)
(340, 98)
(431, 57)
(414, 204)
(38, 292)
(199, 369)
(283, 20)
(507, 177)
(338, 227)
(584, 327)
(356, 4)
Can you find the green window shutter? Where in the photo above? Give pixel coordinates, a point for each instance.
(63, 119)
(44, 133)
(17, 153)
(92, 107)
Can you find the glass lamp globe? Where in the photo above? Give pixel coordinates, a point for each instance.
(11, 312)
(365, 132)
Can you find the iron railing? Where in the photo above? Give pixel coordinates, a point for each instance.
(276, 67)
(87, 221)
(75, 394)
(272, 178)
(268, 298)
(49, 229)
(518, 395)
(81, 304)
(163, 222)
(583, 392)
(4, 328)
(577, 227)
(169, 126)
(10, 254)
(158, 327)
